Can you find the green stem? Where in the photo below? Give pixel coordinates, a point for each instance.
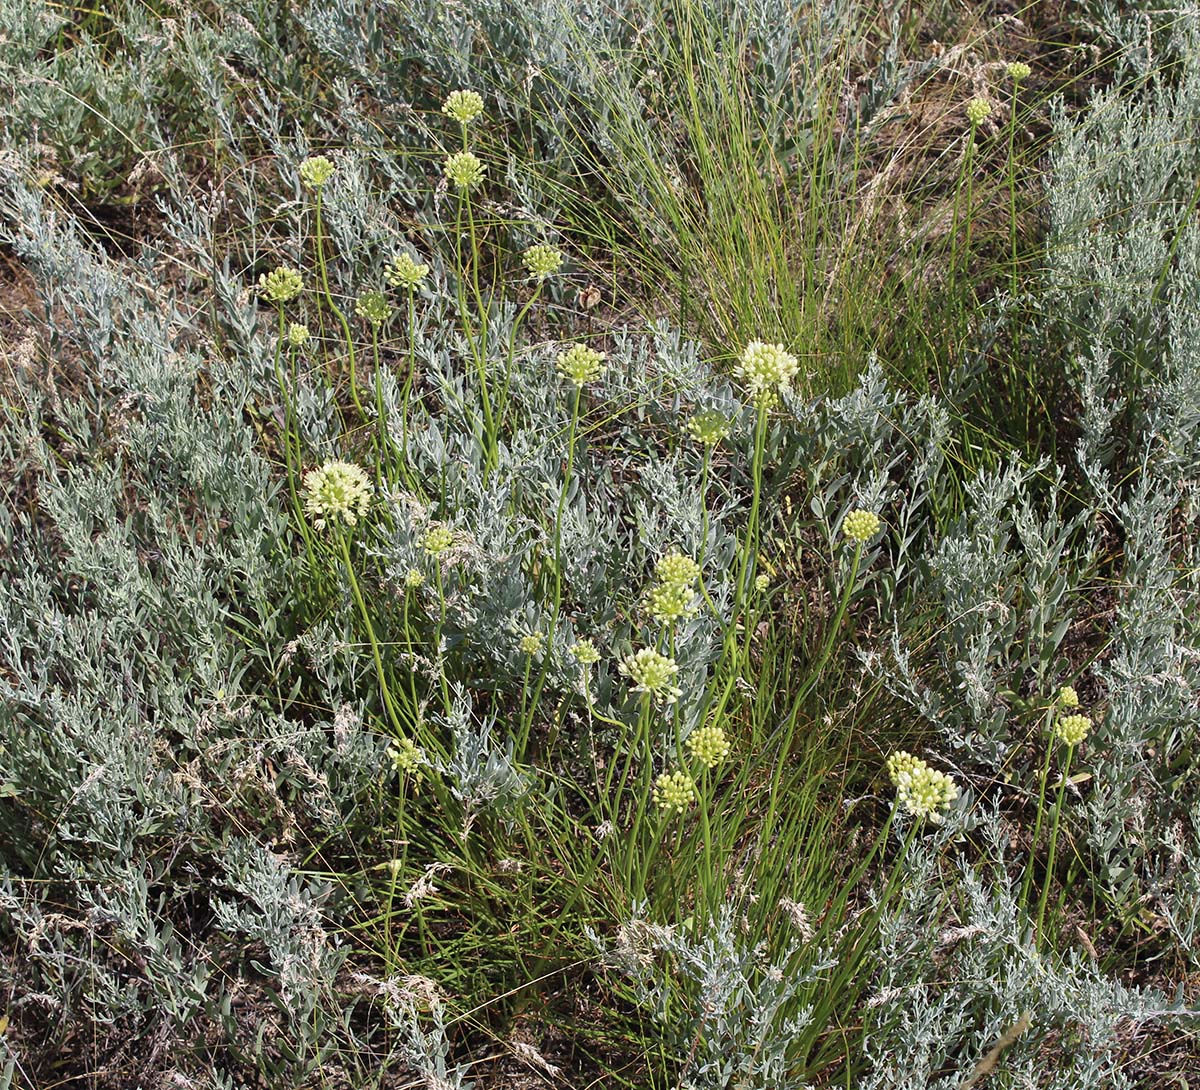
(1049, 877)
(1037, 827)
(337, 311)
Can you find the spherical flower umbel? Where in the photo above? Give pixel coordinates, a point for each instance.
(337, 492)
(860, 526)
(405, 272)
(653, 674)
(585, 652)
(438, 539)
(761, 583)
(766, 369)
(315, 171)
(921, 790)
(463, 106)
(674, 791)
(667, 602)
(1068, 697)
(413, 579)
(406, 755)
(1017, 71)
(542, 260)
(977, 110)
(297, 334)
(580, 364)
(709, 745)
(675, 569)
(373, 306)
(465, 170)
(531, 644)
(708, 427)
(1072, 729)
(280, 285)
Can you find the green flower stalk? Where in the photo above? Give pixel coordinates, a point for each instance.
(674, 792)
(315, 171)
(337, 493)
(280, 285)
(580, 364)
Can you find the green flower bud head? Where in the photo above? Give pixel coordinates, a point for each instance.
(708, 427)
(315, 171)
(1017, 71)
(653, 674)
(406, 756)
(413, 579)
(280, 285)
(667, 602)
(463, 106)
(406, 272)
(761, 582)
(674, 791)
(580, 364)
(1072, 729)
(585, 652)
(373, 307)
(675, 569)
(465, 170)
(297, 334)
(1068, 697)
(921, 790)
(531, 644)
(860, 526)
(708, 745)
(766, 369)
(542, 261)
(438, 539)
(977, 110)
(337, 492)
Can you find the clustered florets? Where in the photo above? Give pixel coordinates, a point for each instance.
(532, 643)
(674, 791)
(585, 652)
(336, 492)
(465, 170)
(315, 171)
(1072, 729)
(280, 285)
(463, 106)
(673, 596)
(297, 334)
(708, 427)
(413, 579)
(438, 539)
(860, 526)
(1017, 71)
(921, 790)
(406, 755)
(767, 370)
(653, 674)
(542, 260)
(580, 364)
(406, 272)
(373, 306)
(1068, 697)
(977, 110)
(709, 745)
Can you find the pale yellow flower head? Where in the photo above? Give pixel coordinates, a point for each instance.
(542, 261)
(438, 539)
(463, 106)
(1017, 71)
(280, 285)
(674, 791)
(532, 643)
(315, 171)
(405, 272)
(860, 526)
(337, 492)
(653, 674)
(1072, 729)
(977, 110)
(766, 369)
(709, 745)
(585, 652)
(1068, 697)
(580, 364)
(465, 170)
(297, 334)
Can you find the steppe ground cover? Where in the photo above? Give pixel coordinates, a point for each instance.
(647, 544)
